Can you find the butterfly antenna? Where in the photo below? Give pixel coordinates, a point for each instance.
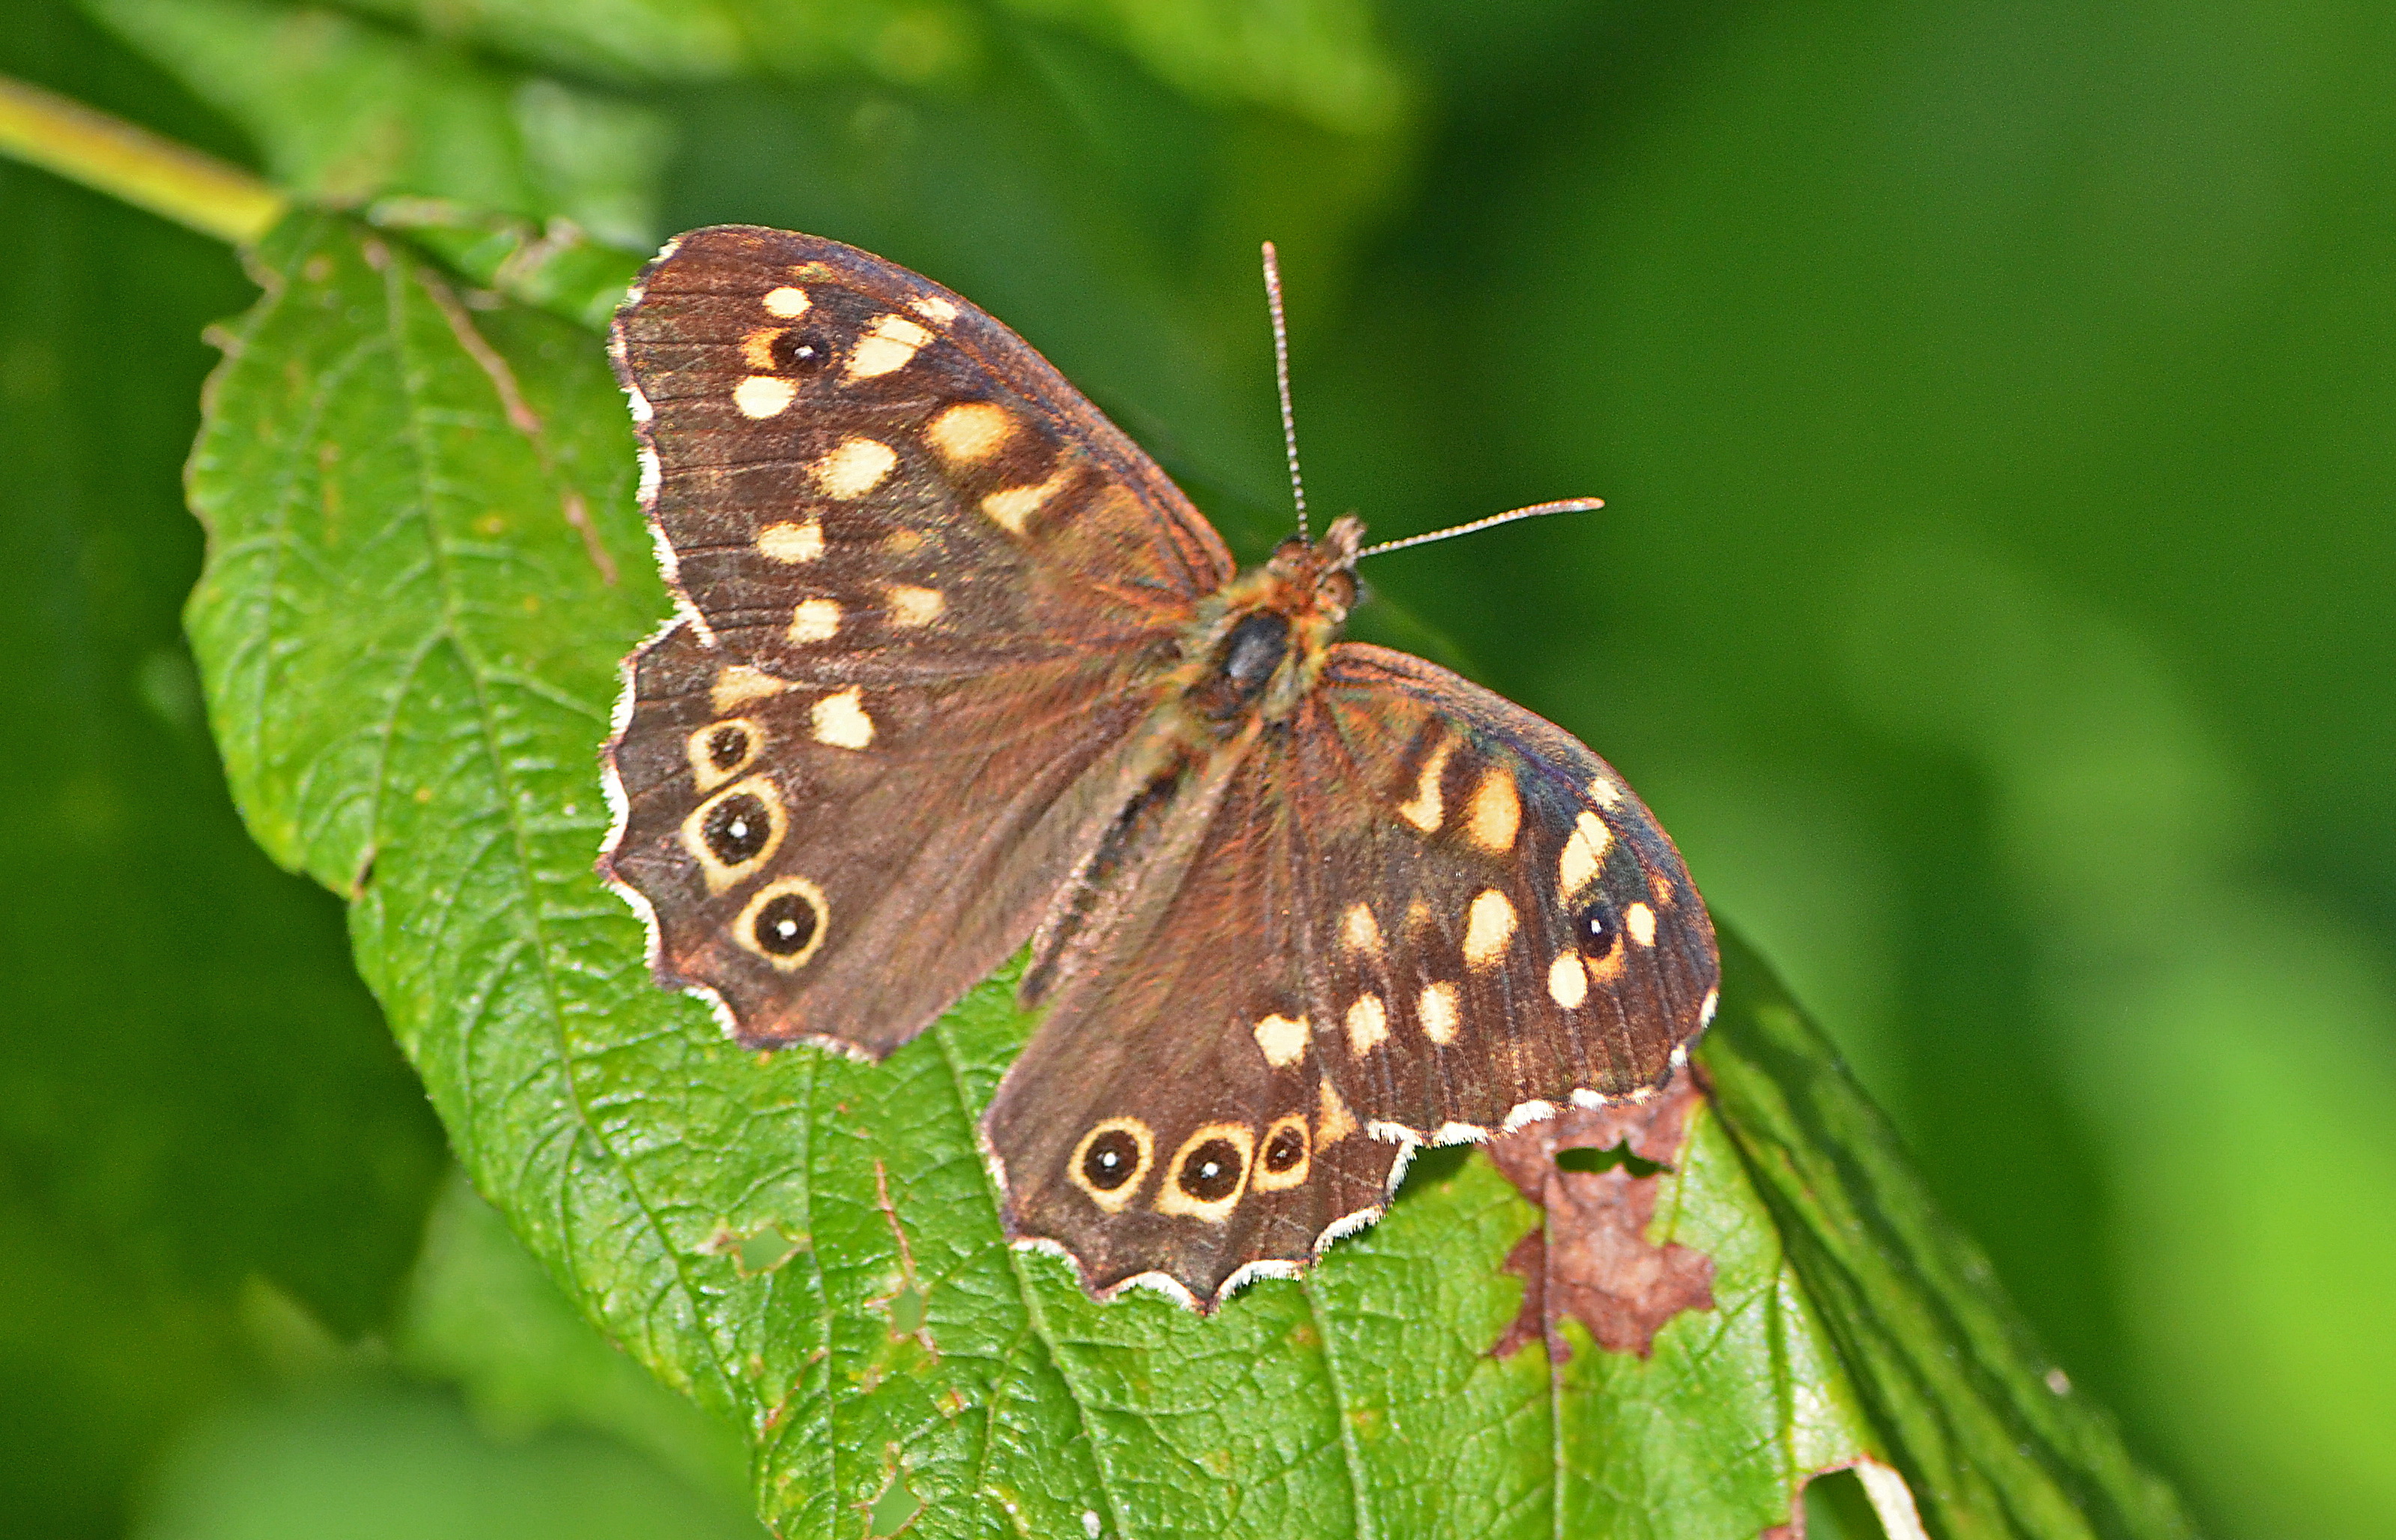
(1280, 379)
(1570, 505)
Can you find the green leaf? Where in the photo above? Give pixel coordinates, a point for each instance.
(344, 111)
(1992, 1439)
(424, 564)
(906, 41)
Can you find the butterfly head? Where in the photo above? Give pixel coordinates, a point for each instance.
(1259, 642)
(1320, 576)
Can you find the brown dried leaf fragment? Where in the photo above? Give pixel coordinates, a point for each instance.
(1591, 1257)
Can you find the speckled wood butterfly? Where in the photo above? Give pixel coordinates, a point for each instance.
(956, 668)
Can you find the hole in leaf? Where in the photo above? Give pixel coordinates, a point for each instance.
(1838, 1508)
(1591, 1161)
(894, 1510)
(1431, 1167)
(763, 1252)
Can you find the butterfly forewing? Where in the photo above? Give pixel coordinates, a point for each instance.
(860, 476)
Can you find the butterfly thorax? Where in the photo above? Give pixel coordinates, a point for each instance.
(1259, 641)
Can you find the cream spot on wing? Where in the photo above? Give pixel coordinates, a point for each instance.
(1359, 932)
(934, 309)
(1567, 980)
(1584, 854)
(888, 345)
(1333, 1121)
(903, 542)
(855, 468)
(1282, 1039)
(1605, 792)
(1495, 813)
(1012, 508)
(737, 684)
(911, 606)
(757, 349)
(1425, 811)
(1488, 925)
(1436, 1009)
(969, 431)
(841, 720)
(1368, 1023)
(789, 542)
(763, 395)
(1640, 921)
(814, 620)
(1706, 1011)
(1528, 1113)
(786, 302)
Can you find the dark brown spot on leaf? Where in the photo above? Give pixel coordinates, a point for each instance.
(1591, 1257)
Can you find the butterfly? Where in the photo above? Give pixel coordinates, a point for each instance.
(955, 669)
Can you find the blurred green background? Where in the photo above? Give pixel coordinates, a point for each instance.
(1997, 410)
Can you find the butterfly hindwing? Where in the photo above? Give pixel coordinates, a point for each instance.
(1171, 1122)
(1415, 913)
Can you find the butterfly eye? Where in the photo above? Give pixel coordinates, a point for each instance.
(728, 746)
(1285, 1150)
(1110, 1161)
(737, 828)
(1211, 1172)
(1598, 929)
(800, 353)
(784, 925)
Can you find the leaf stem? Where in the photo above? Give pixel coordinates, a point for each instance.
(110, 155)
